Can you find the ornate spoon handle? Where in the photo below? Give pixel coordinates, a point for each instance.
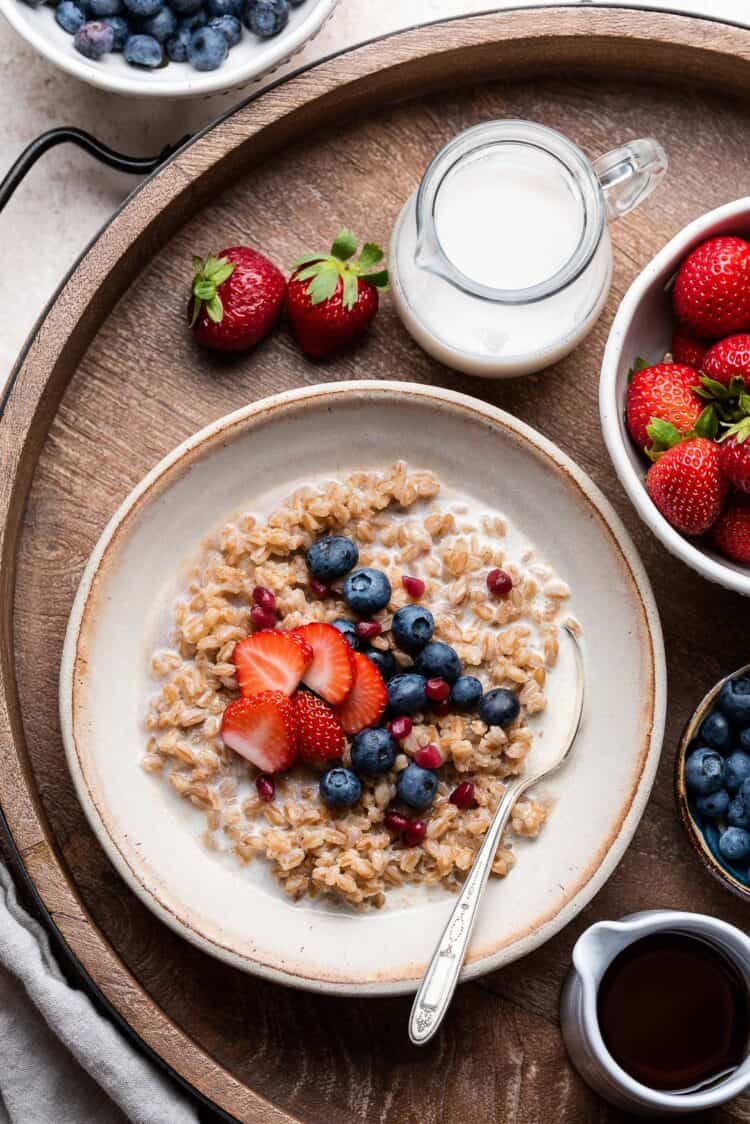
(439, 981)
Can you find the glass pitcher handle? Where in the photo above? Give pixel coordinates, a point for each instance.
(630, 173)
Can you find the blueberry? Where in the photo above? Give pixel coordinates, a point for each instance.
(92, 40)
(734, 844)
(384, 662)
(193, 21)
(121, 29)
(499, 707)
(224, 8)
(438, 661)
(744, 738)
(185, 7)
(144, 8)
(367, 591)
(348, 629)
(101, 8)
(143, 50)
(737, 814)
(69, 16)
(736, 770)
(745, 793)
(715, 731)
(162, 26)
(406, 693)
(417, 786)
(466, 692)
(340, 788)
(266, 18)
(704, 771)
(734, 700)
(207, 49)
(713, 804)
(229, 26)
(331, 557)
(177, 44)
(373, 751)
(412, 627)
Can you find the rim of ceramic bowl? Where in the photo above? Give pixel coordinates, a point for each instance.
(439, 397)
(191, 83)
(611, 409)
(693, 832)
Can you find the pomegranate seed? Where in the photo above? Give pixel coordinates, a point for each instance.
(441, 708)
(265, 786)
(400, 728)
(319, 589)
(429, 757)
(365, 630)
(263, 618)
(415, 833)
(499, 583)
(395, 821)
(413, 586)
(463, 795)
(437, 689)
(264, 598)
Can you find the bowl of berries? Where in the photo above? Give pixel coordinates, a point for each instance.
(712, 779)
(674, 395)
(167, 48)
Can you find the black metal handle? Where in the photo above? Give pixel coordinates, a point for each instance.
(135, 165)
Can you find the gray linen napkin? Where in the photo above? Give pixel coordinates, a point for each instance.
(60, 1061)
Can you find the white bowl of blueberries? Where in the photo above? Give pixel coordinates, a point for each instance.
(167, 48)
(713, 781)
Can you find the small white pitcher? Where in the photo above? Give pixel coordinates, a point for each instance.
(593, 953)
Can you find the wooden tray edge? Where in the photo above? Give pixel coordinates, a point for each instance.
(544, 38)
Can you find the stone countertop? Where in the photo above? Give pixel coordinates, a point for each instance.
(68, 196)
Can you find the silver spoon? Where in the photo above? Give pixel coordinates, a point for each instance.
(439, 981)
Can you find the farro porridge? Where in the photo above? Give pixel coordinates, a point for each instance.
(404, 523)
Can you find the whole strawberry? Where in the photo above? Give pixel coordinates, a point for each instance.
(735, 455)
(687, 486)
(687, 349)
(331, 298)
(731, 532)
(729, 358)
(712, 288)
(236, 299)
(667, 392)
(320, 737)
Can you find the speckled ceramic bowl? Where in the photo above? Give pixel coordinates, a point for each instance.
(251, 60)
(243, 462)
(703, 833)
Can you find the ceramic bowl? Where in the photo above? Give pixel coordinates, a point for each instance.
(703, 833)
(242, 463)
(251, 60)
(643, 327)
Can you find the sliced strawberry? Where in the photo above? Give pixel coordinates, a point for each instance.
(263, 729)
(366, 701)
(320, 736)
(269, 661)
(331, 671)
(306, 648)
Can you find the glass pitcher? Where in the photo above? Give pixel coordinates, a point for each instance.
(501, 261)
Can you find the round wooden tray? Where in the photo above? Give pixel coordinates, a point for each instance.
(111, 381)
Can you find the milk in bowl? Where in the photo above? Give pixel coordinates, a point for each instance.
(501, 261)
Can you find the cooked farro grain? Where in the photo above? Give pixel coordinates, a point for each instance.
(400, 524)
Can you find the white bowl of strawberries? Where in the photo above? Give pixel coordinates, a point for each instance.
(674, 407)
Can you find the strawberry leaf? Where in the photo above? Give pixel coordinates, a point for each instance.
(306, 259)
(707, 424)
(379, 279)
(351, 290)
(215, 309)
(710, 388)
(639, 364)
(223, 273)
(204, 289)
(744, 403)
(344, 246)
(370, 256)
(739, 430)
(311, 271)
(323, 285)
(663, 434)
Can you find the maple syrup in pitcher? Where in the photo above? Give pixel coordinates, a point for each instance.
(673, 1012)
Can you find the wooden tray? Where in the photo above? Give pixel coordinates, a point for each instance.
(111, 381)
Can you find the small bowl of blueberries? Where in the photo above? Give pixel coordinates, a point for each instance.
(167, 48)
(713, 781)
